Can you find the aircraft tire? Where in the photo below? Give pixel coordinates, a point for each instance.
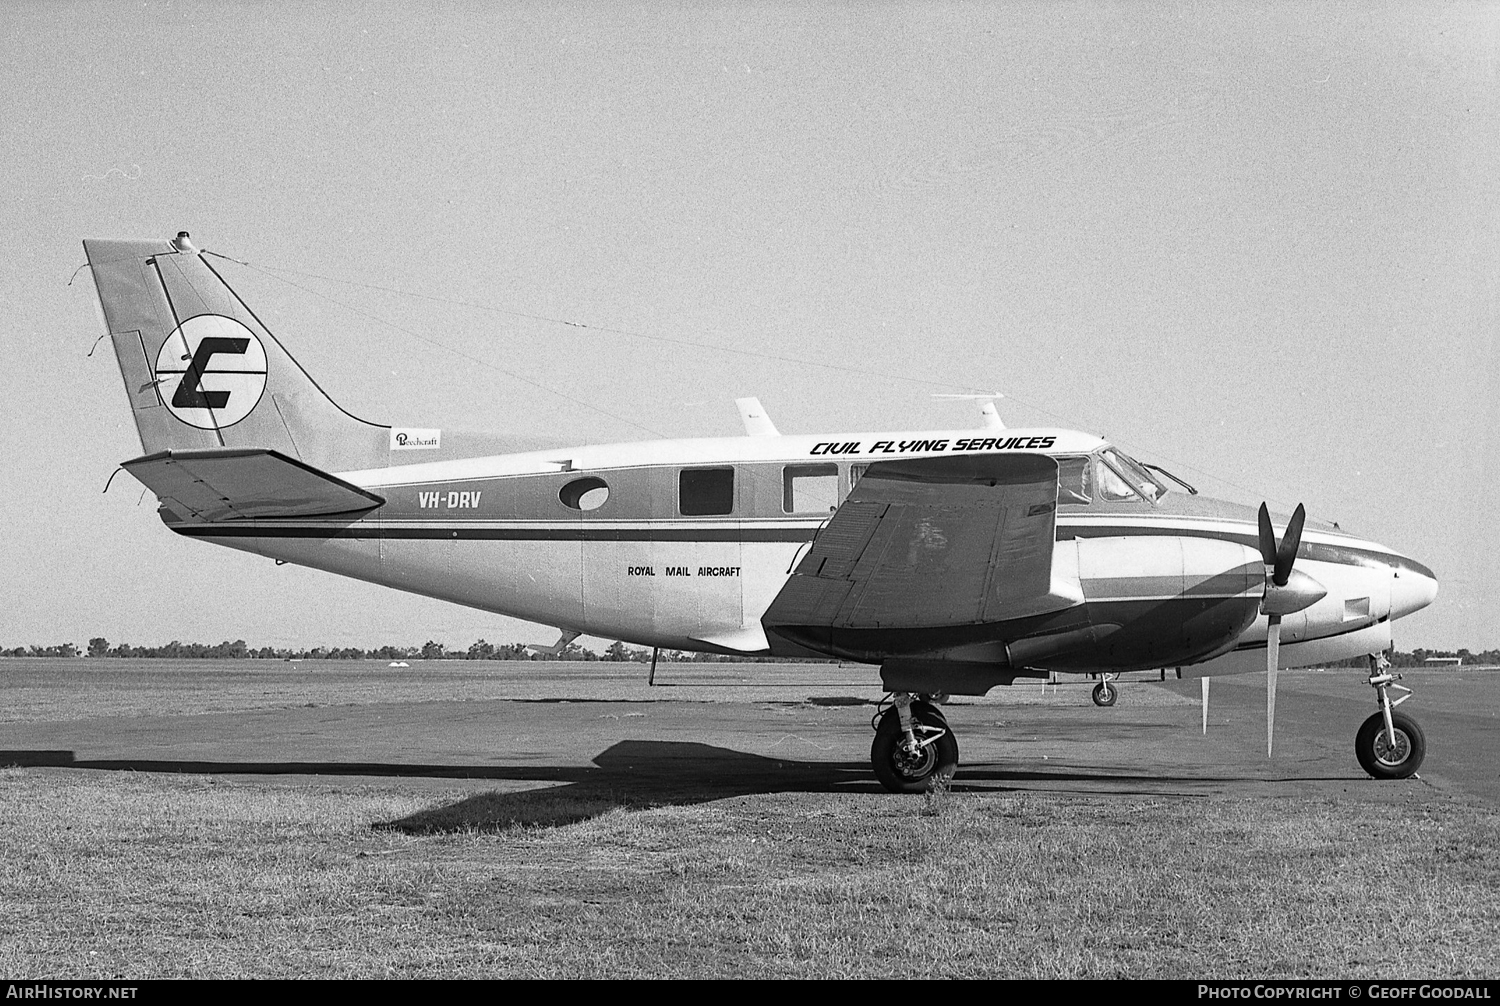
(903, 773)
(1376, 755)
(1104, 695)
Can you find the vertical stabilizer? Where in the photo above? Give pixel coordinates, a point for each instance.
(201, 371)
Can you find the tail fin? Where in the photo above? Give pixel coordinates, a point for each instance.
(202, 371)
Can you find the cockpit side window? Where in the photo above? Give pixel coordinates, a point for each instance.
(1074, 483)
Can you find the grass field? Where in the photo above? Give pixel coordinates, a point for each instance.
(150, 874)
(136, 875)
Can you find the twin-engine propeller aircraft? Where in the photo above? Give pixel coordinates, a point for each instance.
(955, 560)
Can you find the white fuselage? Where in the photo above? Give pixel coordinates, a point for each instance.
(654, 544)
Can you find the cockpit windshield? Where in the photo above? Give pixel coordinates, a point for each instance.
(1121, 477)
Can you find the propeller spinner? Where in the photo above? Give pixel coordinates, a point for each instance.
(1287, 591)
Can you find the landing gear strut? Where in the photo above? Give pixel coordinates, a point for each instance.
(914, 747)
(1104, 693)
(1389, 744)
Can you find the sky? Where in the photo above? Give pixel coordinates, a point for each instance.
(1256, 244)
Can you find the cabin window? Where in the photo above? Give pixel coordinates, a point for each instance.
(810, 488)
(584, 494)
(856, 472)
(1074, 484)
(705, 492)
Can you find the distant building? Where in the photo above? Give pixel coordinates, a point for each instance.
(1443, 662)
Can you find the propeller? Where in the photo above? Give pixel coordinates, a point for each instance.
(1287, 592)
(1205, 680)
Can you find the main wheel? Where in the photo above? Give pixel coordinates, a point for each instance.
(1105, 695)
(902, 771)
(1384, 760)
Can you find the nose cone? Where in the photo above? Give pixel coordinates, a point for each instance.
(1413, 588)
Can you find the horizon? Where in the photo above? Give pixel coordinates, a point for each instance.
(388, 650)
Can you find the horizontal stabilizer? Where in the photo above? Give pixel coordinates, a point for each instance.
(245, 484)
(556, 649)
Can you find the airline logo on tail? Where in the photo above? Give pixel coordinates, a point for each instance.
(211, 372)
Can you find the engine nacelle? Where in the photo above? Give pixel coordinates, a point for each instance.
(1174, 599)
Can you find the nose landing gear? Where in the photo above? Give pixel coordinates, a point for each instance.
(1389, 745)
(1104, 694)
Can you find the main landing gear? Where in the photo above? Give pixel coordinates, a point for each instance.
(1104, 694)
(1389, 744)
(914, 748)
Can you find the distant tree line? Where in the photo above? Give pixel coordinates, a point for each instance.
(64, 650)
(1419, 656)
(481, 650)
(430, 650)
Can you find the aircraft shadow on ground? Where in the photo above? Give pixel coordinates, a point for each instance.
(636, 774)
(631, 774)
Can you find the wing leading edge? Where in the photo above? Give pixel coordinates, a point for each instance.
(931, 542)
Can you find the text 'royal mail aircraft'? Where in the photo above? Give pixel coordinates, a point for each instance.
(954, 560)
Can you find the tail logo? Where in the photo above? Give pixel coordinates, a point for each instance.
(211, 372)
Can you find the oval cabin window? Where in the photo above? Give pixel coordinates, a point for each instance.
(584, 494)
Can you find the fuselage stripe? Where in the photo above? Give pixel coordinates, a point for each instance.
(1344, 555)
(456, 532)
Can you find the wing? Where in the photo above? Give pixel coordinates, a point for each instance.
(933, 542)
(246, 483)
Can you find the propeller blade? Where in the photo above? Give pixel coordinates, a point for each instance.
(1273, 644)
(1267, 537)
(1205, 705)
(1277, 602)
(1287, 553)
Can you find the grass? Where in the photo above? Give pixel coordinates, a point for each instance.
(145, 875)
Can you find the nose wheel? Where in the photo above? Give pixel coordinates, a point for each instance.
(914, 748)
(1104, 693)
(1390, 753)
(1389, 745)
